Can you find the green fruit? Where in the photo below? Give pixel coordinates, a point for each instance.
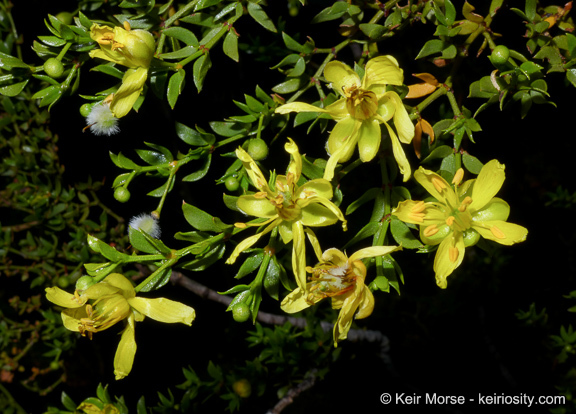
(241, 312)
(257, 149)
(500, 55)
(84, 282)
(53, 68)
(54, 365)
(242, 388)
(63, 282)
(232, 183)
(65, 17)
(86, 109)
(122, 194)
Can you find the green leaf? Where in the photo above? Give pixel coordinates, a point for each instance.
(8, 62)
(258, 14)
(439, 152)
(472, 164)
(183, 35)
(201, 67)
(230, 46)
(431, 47)
(402, 234)
(123, 162)
(175, 86)
(208, 259)
(14, 89)
(251, 263)
(373, 31)
(228, 129)
(292, 44)
(67, 402)
(289, 86)
(194, 137)
(337, 10)
(370, 194)
(202, 4)
(203, 221)
(201, 173)
(144, 243)
(160, 279)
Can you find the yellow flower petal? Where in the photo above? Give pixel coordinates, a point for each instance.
(120, 282)
(295, 301)
(250, 241)
(402, 121)
(341, 76)
(71, 318)
(132, 84)
(297, 107)
(257, 207)
(124, 358)
(64, 299)
(448, 257)
(164, 310)
(335, 256)
(501, 232)
(295, 166)
(382, 70)
(437, 186)
(369, 138)
(399, 154)
(366, 304)
(253, 171)
(487, 184)
(299, 254)
(373, 251)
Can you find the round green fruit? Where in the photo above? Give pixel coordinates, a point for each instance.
(241, 312)
(500, 55)
(122, 194)
(86, 109)
(65, 17)
(232, 183)
(53, 68)
(257, 149)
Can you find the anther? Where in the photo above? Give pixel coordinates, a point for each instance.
(450, 220)
(453, 254)
(499, 234)
(458, 177)
(438, 184)
(431, 230)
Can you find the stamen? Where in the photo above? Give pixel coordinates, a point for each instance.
(419, 207)
(417, 212)
(431, 230)
(458, 177)
(464, 205)
(240, 225)
(438, 183)
(127, 25)
(450, 220)
(499, 234)
(453, 254)
(260, 195)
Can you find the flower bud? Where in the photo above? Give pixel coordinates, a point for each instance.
(242, 388)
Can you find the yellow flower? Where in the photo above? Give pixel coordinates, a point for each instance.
(114, 299)
(342, 279)
(131, 48)
(287, 206)
(363, 106)
(460, 215)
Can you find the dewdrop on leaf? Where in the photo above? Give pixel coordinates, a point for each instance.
(101, 121)
(147, 223)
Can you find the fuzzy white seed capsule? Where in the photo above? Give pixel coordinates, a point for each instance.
(101, 121)
(147, 223)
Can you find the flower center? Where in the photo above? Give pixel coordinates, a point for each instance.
(361, 104)
(104, 313)
(330, 280)
(286, 207)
